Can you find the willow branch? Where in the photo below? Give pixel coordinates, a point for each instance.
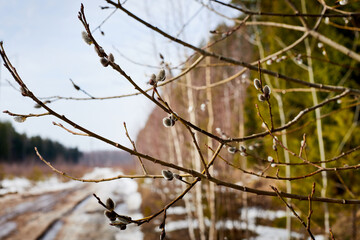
(70, 131)
(134, 147)
(297, 14)
(291, 122)
(241, 63)
(293, 211)
(102, 179)
(26, 115)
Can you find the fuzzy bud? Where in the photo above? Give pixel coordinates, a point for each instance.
(100, 51)
(232, 150)
(24, 92)
(161, 76)
(20, 119)
(275, 139)
(110, 204)
(327, 20)
(177, 176)
(168, 175)
(270, 159)
(261, 98)
(343, 2)
(273, 165)
(76, 87)
(244, 154)
(257, 84)
(86, 38)
(242, 148)
(299, 59)
(111, 215)
(37, 106)
(168, 122)
(267, 91)
(173, 116)
(218, 130)
(121, 226)
(104, 62)
(152, 80)
(111, 58)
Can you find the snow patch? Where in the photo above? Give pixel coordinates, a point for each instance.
(263, 232)
(23, 185)
(14, 185)
(7, 228)
(176, 210)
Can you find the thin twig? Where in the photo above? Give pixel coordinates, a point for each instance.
(311, 195)
(78, 88)
(68, 130)
(298, 14)
(26, 115)
(293, 211)
(134, 147)
(248, 65)
(102, 179)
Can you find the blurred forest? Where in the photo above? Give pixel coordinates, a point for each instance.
(19, 148)
(228, 109)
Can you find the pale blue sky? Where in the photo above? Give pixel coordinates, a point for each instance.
(43, 40)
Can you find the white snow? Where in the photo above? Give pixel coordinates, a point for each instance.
(14, 185)
(23, 185)
(178, 210)
(254, 213)
(7, 228)
(125, 191)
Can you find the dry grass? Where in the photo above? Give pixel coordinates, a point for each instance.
(38, 171)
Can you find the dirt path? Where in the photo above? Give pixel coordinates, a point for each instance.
(27, 217)
(71, 213)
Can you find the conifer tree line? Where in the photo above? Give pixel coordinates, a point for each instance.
(268, 106)
(17, 148)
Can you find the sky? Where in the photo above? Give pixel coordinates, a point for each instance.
(43, 41)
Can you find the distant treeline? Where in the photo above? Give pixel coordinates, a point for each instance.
(15, 147)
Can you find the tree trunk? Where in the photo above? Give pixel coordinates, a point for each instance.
(319, 133)
(212, 193)
(196, 161)
(175, 139)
